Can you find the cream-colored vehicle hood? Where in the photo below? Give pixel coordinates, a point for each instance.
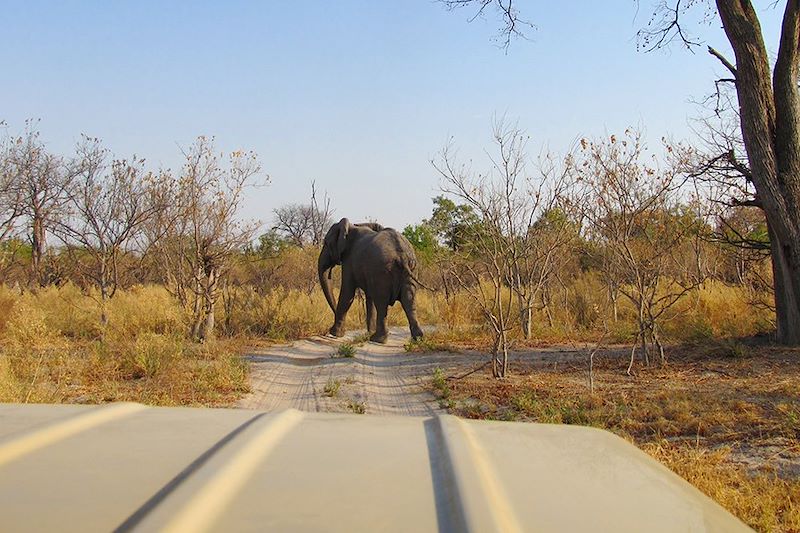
(131, 467)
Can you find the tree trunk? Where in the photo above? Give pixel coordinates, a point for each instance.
(633, 354)
(662, 358)
(546, 300)
(526, 317)
(37, 250)
(197, 318)
(197, 303)
(505, 353)
(769, 107)
(103, 305)
(614, 296)
(787, 302)
(496, 371)
(209, 299)
(207, 330)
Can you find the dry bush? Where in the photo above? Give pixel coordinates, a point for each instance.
(281, 313)
(153, 369)
(70, 311)
(146, 309)
(277, 314)
(152, 353)
(9, 386)
(718, 310)
(73, 313)
(580, 311)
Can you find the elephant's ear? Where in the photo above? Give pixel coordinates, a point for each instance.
(341, 243)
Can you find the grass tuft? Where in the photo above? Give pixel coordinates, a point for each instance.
(332, 387)
(357, 406)
(346, 350)
(441, 389)
(440, 384)
(358, 340)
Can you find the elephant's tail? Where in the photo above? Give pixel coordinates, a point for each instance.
(415, 279)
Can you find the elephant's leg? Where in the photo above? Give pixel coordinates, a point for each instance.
(407, 298)
(370, 315)
(381, 333)
(346, 296)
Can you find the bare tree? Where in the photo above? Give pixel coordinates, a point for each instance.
(292, 222)
(305, 224)
(41, 183)
(208, 233)
(768, 101)
(509, 254)
(540, 250)
(513, 26)
(106, 209)
(11, 207)
(640, 229)
(769, 116)
(10, 190)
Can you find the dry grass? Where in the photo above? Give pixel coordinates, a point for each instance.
(724, 415)
(729, 425)
(51, 348)
(764, 500)
(157, 371)
(714, 311)
(280, 314)
(51, 351)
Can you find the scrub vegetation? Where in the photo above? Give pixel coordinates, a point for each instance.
(670, 298)
(671, 270)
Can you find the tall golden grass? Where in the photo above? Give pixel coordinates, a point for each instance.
(53, 348)
(581, 312)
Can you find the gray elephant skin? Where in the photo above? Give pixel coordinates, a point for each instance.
(379, 261)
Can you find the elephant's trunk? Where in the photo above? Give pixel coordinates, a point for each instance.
(324, 265)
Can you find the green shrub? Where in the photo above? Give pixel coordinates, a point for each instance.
(346, 350)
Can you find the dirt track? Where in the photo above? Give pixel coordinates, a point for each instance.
(381, 379)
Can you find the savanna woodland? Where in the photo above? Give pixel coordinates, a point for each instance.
(671, 270)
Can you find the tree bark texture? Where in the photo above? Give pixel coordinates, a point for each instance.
(770, 120)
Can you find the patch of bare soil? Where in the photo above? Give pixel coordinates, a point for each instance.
(382, 379)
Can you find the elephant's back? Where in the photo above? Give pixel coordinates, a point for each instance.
(395, 246)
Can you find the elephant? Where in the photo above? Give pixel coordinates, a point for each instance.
(379, 261)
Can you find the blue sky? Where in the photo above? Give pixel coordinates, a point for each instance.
(356, 94)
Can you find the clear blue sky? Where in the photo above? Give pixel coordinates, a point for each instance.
(357, 94)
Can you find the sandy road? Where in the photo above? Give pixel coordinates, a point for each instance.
(380, 379)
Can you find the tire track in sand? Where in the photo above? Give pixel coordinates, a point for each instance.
(381, 378)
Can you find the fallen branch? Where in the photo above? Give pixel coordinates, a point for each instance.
(480, 367)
